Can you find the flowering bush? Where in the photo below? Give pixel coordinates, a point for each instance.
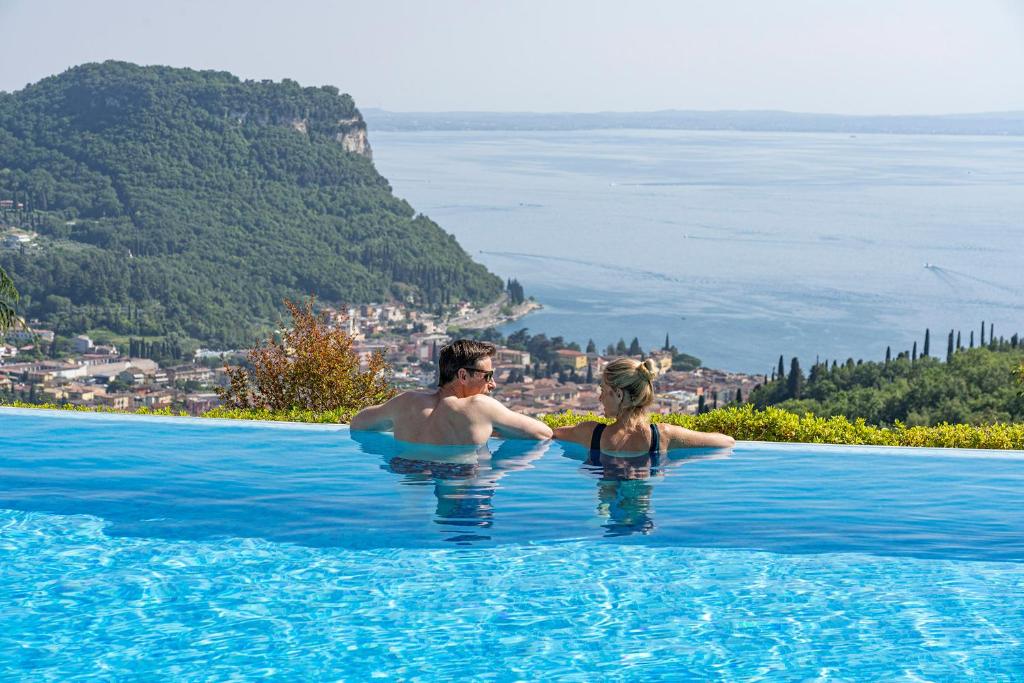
(313, 367)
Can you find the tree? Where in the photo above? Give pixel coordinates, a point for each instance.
(591, 347)
(8, 299)
(515, 292)
(667, 346)
(972, 339)
(795, 382)
(313, 366)
(982, 332)
(620, 347)
(780, 374)
(739, 395)
(959, 344)
(590, 373)
(888, 354)
(701, 405)
(634, 348)
(949, 347)
(927, 342)
(913, 357)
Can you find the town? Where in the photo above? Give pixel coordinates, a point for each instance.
(99, 373)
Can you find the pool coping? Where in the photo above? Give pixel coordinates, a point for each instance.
(341, 427)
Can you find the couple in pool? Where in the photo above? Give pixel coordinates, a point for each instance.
(460, 412)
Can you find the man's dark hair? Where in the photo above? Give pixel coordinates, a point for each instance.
(461, 353)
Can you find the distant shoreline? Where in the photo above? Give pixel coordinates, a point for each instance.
(491, 315)
(996, 123)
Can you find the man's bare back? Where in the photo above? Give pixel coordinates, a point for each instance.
(459, 412)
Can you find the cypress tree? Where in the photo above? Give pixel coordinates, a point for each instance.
(781, 372)
(795, 383)
(992, 335)
(591, 347)
(634, 348)
(982, 333)
(972, 339)
(667, 346)
(590, 373)
(959, 344)
(739, 395)
(914, 356)
(927, 342)
(701, 407)
(714, 399)
(1014, 340)
(620, 348)
(888, 353)
(949, 347)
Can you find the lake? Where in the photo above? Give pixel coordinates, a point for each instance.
(740, 246)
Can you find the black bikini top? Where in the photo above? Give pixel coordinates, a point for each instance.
(594, 458)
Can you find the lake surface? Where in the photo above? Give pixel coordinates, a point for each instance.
(741, 246)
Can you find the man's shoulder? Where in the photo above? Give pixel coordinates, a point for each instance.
(484, 401)
(415, 395)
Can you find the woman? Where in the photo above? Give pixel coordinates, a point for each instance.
(627, 391)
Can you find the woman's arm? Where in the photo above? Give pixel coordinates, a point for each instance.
(679, 437)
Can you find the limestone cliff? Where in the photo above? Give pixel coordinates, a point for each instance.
(352, 136)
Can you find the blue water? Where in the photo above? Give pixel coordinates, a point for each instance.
(741, 246)
(199, 549)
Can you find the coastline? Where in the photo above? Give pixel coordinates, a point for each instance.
(498, 312)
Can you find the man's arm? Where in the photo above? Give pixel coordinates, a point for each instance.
(375, 418)
(511, 424)
(578, 433)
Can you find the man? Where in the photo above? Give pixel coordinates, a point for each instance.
(459, 412)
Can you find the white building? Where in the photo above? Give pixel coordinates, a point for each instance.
(82, 344)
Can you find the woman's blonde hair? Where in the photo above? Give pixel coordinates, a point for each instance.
(636, 382)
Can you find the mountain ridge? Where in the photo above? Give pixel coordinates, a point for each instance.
(191, 202)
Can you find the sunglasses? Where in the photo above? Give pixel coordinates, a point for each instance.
(488, 374)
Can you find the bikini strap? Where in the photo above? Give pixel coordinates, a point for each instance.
(595, 445)
(655, 448)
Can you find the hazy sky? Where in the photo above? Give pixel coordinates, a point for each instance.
(840, 56)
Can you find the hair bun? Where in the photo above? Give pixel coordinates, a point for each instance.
(648, 369)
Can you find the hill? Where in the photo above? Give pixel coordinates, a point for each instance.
(172, 201)
(973, 386)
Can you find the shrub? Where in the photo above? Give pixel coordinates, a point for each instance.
(744, 423)
(313, 367)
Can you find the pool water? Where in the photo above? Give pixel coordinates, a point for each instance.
(200, 549)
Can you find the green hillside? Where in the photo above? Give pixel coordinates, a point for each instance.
(972, 386)
(173, 201)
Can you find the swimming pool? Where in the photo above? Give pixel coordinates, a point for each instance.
(205, 549)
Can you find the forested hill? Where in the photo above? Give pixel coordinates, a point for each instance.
(173, 201)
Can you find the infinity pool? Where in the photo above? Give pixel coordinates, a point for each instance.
(189, 549)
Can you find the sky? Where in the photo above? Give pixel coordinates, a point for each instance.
(822, 56)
